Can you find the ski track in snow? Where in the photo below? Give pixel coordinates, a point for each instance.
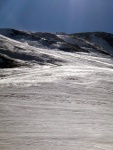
(57, 107)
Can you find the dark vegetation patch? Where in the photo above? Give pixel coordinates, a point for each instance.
(6, 62)
(9, 56)
(67, 47)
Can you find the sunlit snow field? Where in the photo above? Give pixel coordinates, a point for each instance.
(62, 106)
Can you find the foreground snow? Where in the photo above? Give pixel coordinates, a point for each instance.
(59, 100)
(57, 116)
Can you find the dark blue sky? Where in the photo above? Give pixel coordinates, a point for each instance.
(57, 15)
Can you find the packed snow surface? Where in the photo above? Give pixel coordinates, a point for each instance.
(53, 98)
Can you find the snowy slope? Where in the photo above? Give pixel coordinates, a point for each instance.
(56, 91)
(95, 41)
(64, 55)
(39, 39)
(77, 61)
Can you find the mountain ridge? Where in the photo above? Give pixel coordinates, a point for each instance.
(27, 46)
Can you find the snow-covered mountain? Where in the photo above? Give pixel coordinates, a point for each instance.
(54, 51)
(56, 91)
(22, 45)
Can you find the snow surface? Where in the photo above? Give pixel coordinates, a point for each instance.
(63, 103)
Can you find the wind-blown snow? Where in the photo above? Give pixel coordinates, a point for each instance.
(56, 99)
